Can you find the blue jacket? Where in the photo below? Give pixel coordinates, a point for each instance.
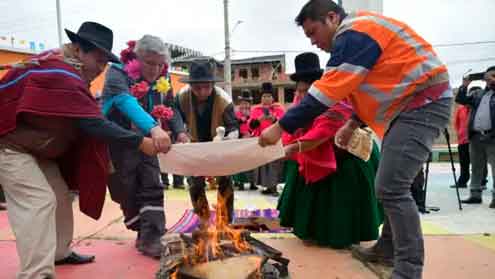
(120, 106)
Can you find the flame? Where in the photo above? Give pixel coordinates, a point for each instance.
(209, 242)
(175, 274)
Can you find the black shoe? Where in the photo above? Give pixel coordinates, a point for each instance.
(153, 249)
(270, 192)
(492, 204)
(179, 187)
(371, 255)
(252, 186)
(460, 186)
(75, 258)
(472, 200)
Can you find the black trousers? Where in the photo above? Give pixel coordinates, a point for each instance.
(200, 202)
(465, 163)
(136, 186)
(178, 180)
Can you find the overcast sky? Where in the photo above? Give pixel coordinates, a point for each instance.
(267, 25)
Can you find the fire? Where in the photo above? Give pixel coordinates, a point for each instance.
(175, 274)
(218, 241)
(210, 239)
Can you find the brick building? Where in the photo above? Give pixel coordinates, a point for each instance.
(250, 73)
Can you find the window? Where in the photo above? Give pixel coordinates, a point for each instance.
(243, 73)
(255, 73)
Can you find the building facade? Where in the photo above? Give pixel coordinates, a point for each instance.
(250, 73)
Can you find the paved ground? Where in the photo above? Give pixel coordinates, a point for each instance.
(459, 244)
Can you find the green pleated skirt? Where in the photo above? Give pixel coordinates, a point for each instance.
(336, 211)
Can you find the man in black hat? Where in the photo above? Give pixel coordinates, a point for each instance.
(52, 138)
(481, 132)
(205, 107)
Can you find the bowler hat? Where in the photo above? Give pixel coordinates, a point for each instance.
(97, 35)
(307, 67)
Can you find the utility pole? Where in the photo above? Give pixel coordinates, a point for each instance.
(227, 62)
(59, 23)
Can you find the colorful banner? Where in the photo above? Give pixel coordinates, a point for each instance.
(12, 42)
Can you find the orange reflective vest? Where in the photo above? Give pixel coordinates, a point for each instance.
(380, 64)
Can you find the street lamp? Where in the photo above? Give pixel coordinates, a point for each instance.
(235, 26)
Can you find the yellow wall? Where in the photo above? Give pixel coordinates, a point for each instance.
(9, 57)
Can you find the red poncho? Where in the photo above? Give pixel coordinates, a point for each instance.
(320, 162)
(257, 112)
(55, 88)
(243, 123)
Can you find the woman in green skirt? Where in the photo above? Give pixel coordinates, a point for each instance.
(329, 195)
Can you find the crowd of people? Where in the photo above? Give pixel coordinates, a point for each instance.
(381, 74)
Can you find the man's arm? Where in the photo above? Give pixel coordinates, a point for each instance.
(353, 55)
(108, 131)
(462, 97)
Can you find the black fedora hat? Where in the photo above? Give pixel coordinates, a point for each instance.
(307, 67)
(201, 71)
(245, 96)
(97, 35)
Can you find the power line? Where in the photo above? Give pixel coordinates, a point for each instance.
(299, 51)
(464, 44)
(269, 51)
(466, 61)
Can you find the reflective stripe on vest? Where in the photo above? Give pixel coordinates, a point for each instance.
(394, 97)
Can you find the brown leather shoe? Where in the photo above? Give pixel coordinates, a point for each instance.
(371, 255)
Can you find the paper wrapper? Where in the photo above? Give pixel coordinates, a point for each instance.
(360, 144)
(219, 158)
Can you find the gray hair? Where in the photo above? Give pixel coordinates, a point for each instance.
(149, 43)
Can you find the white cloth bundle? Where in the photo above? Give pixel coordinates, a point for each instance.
(218, 158)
